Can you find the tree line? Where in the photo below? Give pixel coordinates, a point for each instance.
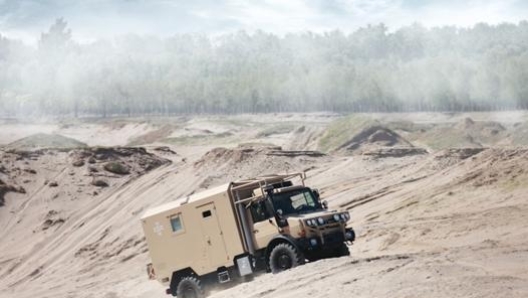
(371, 69)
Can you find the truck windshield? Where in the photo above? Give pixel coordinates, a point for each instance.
(296, 201)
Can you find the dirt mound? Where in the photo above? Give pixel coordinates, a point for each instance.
(42, 140)
(463, 134)
(5, 188)
(490, 127)
(507, 166)
(65, 192)
(117, 160)
(224, 155)
(374, 141)
(80, 167)
(480, 166)
(245, 152)
(458, 153)
(250, 160)
(449, 157)
(165, 150)
(306, 137)
(480, 129)
(465, 123)
(394, 152)
(377, 136)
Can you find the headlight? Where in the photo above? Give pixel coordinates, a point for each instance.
(347, 216)
(336, 217)
(321, 221)
(343, 216)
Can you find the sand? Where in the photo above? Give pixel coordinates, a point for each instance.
(448, 223)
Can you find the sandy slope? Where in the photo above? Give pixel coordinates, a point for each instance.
(452, 232)
(447, 224)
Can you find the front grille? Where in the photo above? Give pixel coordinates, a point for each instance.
(333, 238)
(330, 220)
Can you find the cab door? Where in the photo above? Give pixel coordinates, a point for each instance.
(264, 231)
(213, 236)
(264, 225)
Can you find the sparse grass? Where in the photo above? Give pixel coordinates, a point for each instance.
(407, 126)
(199, 139)
(455, 136)
(520, 134)
(232, 121)
(117, 168)
(281, 128)
(153, 136)
(120, 121)
(443, 138)
(42, 140)
(340, 131)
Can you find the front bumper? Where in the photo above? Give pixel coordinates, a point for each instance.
(328, 241)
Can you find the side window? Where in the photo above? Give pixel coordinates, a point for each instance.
(206, 214)
(176, 223)
(259, 212)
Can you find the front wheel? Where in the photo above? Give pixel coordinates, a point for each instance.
(284, 256)
(190, 287)
(342, 251)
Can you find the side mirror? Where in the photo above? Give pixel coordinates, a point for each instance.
(282, 222)
(316, 193)
(325, 204)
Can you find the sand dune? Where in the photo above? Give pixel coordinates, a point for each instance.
(447, 223)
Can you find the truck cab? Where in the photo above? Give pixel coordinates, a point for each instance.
(296, 217)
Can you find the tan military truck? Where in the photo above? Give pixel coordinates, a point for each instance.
(232, 231)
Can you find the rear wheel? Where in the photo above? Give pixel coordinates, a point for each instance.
(284, 256)
(190, 287)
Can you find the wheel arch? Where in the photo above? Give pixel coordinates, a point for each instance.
(278, 240)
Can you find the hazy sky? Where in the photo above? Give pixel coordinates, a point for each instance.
(90, 19)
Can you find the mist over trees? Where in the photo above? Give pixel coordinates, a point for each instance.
(371, 69)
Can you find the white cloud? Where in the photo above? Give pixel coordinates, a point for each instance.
(97, 18)
(273, 15)
(468, 13)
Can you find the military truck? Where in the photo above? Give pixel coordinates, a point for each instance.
(232, 231)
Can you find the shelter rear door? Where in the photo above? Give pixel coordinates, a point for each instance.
(213, 236)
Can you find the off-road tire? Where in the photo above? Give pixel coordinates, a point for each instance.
(284, 256)
(190, 287)
(342, 251)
